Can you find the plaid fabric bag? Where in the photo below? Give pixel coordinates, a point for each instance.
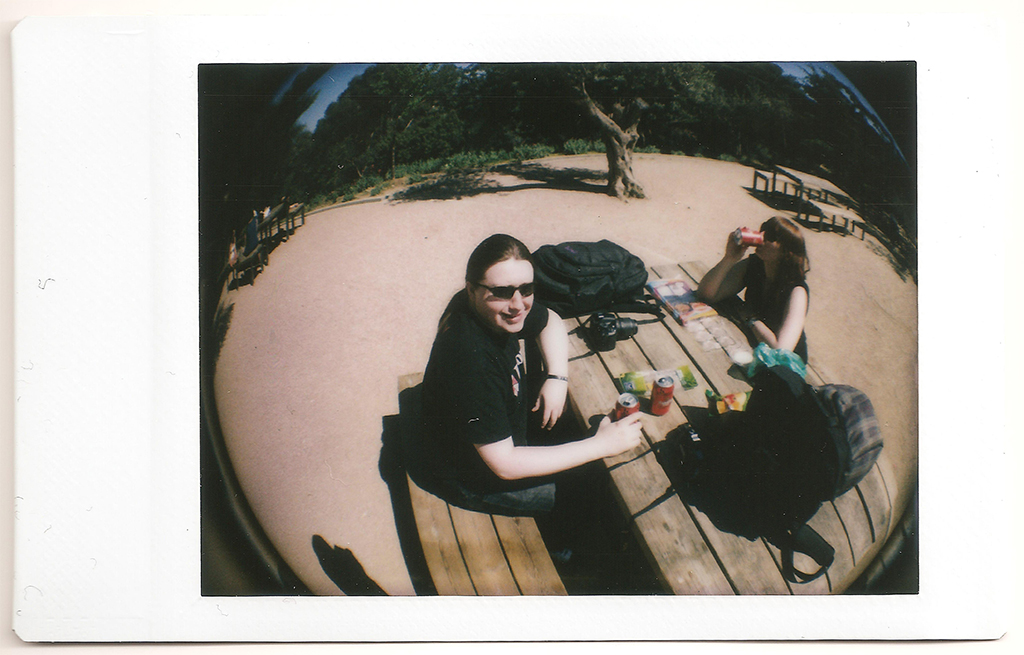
(815, 443)
(859, 439)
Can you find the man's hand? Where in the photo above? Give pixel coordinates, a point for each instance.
(551, 402)
(619, 436)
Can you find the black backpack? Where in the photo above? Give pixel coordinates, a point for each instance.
(577, 278)
(764, 472)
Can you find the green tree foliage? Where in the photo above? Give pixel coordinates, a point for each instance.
(389, 116)
(399, 119)
(246, 131)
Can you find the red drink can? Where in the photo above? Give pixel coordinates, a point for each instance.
(661, 395)
(626, 404)
(744, 236)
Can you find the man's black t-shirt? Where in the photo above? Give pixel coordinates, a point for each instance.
(474, 393)
(771, 311)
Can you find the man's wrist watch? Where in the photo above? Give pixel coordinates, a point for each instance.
(557, 377)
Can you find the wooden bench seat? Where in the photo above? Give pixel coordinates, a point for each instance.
(253, 263)
(477, 554)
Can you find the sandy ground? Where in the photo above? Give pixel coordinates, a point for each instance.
(309, 365)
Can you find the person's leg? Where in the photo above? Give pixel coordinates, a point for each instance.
(536, 500)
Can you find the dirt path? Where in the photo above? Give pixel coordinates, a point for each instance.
(309, 365)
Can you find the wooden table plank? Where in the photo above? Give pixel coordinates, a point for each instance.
(827, 523)
(748, 564)
(444, 559)
(627, 357)
(876, 499)
(526, 553)
(857, 523)
(685, 561)
(664, 353)
(888, 476)
(482, 553)
(640, 484)
(592, 393)
(715, 365)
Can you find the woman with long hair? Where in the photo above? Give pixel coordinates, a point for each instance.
(477, 450)
(775, 279)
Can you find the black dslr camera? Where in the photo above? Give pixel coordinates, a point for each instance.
(604, 330)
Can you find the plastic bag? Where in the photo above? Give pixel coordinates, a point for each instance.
(765, 356)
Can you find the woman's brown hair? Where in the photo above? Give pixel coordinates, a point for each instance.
(495, 248)
(794, 264)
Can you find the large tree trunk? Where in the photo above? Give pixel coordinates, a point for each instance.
(619, 133)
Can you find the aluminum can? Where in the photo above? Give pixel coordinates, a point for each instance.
(626, 404)
(744, 236)
(661, 395)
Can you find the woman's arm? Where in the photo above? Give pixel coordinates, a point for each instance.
(511, 462)
(792, 325)
(554, 349)
(726, 278)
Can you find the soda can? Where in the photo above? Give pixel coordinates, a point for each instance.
(744, 236)
(661, 395)
(626, 404)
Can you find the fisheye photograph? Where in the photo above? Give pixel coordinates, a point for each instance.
(558, 329)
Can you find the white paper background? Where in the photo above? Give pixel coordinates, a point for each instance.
(106, 365)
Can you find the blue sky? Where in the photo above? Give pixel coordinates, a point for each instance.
(328, 88)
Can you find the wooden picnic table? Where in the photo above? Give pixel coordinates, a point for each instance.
(688, 553)
(280, 222)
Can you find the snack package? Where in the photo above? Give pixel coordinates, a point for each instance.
(733, 402)
(640, 383)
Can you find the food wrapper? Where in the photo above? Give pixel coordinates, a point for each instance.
(734, 402)
(640, 383)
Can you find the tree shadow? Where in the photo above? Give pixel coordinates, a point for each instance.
(458, 185)
(785, 202)
(342, 567)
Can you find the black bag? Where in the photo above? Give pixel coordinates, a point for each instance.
(577, 278)
(764, 472)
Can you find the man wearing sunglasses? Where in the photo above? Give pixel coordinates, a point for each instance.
(477, 450)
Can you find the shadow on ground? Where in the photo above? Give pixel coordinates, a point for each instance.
(342, 567)
(785, 202)
(534, 176)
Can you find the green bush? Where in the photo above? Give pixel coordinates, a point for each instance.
(519, 153)
(726, 157)
(423, 167)
(370, 181)
(582, 146)
(648, 149)
(348, 197)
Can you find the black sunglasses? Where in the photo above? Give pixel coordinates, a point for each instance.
(506, 293)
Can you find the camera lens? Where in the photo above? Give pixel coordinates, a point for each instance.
(627, 327)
